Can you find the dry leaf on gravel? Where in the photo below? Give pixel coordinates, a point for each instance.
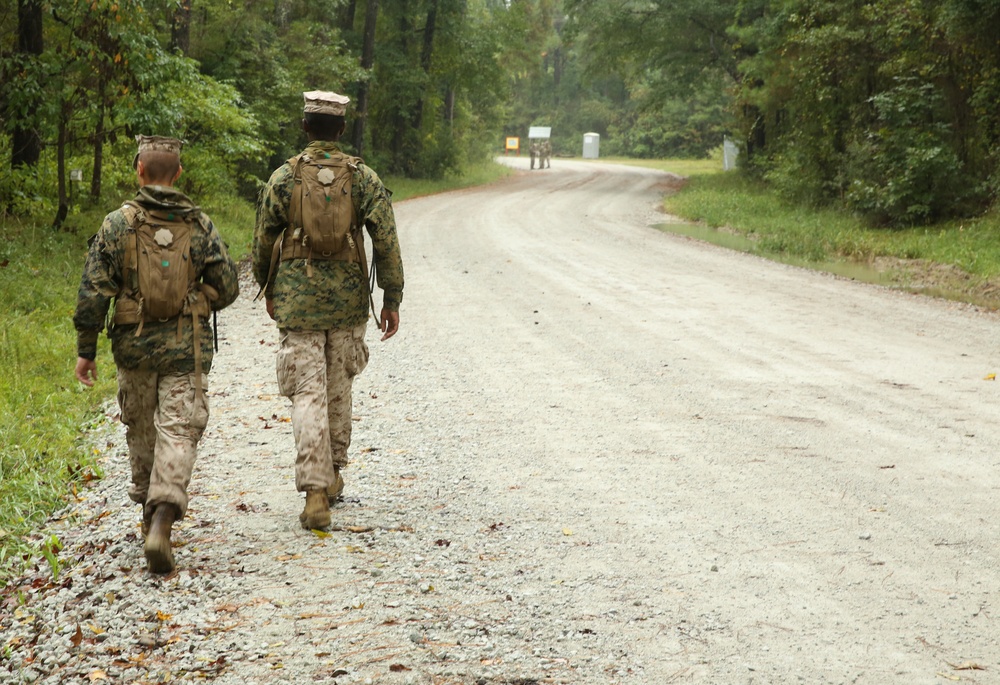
(967, 666)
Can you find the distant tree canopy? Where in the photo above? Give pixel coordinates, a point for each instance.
(79, 79)
(884, 107)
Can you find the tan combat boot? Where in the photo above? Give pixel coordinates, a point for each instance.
(159, 555)
(317, 511)
(334, 491)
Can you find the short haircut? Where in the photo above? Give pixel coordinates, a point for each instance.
(160, 166)
(324, 126)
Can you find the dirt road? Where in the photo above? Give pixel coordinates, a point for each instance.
(595, 453)
(775, 475)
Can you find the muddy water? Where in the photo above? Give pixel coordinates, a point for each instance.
(859, 271)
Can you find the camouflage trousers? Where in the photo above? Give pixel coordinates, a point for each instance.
(164, 422)
(315, 371)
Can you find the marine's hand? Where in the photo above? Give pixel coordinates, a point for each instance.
(86, 371)
(269, 306)
(390, 323)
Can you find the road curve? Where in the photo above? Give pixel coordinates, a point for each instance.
(777, 473)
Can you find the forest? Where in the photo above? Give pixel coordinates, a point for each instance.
(883, 108)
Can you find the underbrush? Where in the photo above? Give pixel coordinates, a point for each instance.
(747, 207)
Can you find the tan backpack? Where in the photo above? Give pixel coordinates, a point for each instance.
(159, 281)
(321, 221)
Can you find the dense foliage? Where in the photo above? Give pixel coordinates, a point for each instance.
(881, 107)
(78, 79)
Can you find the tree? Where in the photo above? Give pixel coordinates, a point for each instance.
(26, 147)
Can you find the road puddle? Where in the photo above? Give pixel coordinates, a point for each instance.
(858, 271)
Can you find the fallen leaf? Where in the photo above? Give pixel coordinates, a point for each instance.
(77, 636)
(990, 377)
(97, 674)
(967, 666)
(567, 531)
(96, 630)
(160, 616)
(289, 557)
(397, 668)
(320, 533)
(228, 608)
(949, 677)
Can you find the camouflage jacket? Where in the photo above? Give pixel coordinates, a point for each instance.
(157, 346)
(336, 296)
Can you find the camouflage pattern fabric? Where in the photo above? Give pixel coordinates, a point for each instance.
(164, 420)
(157, 347)
(336, 296)
(316, 370)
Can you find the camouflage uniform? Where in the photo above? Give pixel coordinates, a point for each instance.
(321, 319)
(163, 415)
(534, 151)
(546, 156)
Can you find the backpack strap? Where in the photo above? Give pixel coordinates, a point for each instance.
(134, 216)
(276, 248)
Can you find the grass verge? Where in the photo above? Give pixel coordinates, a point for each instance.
(45, 442)
(970, 247)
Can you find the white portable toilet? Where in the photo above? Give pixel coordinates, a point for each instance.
(729, 154)
(591, 145)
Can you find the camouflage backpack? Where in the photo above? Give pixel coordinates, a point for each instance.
(321, 221)
(159, 281)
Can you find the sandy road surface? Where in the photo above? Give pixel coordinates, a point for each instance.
(595, 453)
(799, 472)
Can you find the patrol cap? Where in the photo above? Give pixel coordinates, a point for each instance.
(325, 102)
(156, 144)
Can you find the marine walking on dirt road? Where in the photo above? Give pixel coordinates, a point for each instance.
(309, 260)
(161, 261)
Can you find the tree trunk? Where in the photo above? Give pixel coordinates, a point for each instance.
(180, 29)
(99, 134)
(63, 210)
(449, 106)
(26, 144)
(425, 60)
(367, 60)
(557, 69)
(347, 16)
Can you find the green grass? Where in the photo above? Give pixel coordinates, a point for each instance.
(44, 446)
(747, 207)
(480, 174)
(681, 167)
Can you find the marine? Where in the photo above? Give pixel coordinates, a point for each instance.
(319, 298)
(162, 361)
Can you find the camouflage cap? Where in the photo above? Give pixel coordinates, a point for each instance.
(158, 144)
(325, 102)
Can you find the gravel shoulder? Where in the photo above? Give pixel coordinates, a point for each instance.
(595, 453)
